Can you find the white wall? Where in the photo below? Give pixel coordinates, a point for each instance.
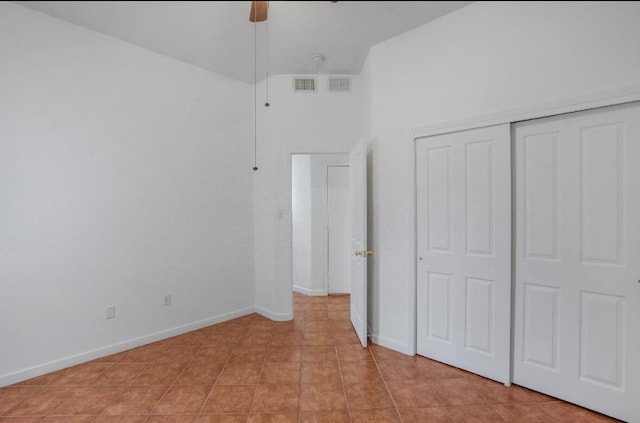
(318, 122)
(124, 176)
(486, 57)
(309, 220)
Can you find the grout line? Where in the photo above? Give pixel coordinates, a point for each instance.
(344, 386)
(384, 380)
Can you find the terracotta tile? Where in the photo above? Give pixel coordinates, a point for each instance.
(432, 369)
(276, 398)
(89, 400)
(456, 392)
(240, 374)
(230, 399)
(253, 340)
(320, 373)
(221, 418)
(324, 417)
(42, 402)
(14, 395)
(421, 415)
(145, 354)
(317, 354)
(497, 393)
(322, 397)
(472, 377)
(243, 355)
(178, 354)
(82, 374)
(340, 314)
(343, 326)
(413, 394)
(351, 339)
(198, 374)
(190, 338)
(284, 372)
(317, 339)
(318, 326)
(38, 381)
(286, 339)
(213, 354)
(78, 419)
(375, 416)
(119, 419)
(353, 353)
(398, 371)
(280, 327)
(525, 413)
(182, 399)
(119, 374)
(174, 418)
(222, 339)
(367, 396)
(273, 418)
(360, 371)
(474, 414)
(279, 354)
(135, 400)
(565, 412)
(158, 374)
(261, 326)
(382, 353)
(111, 358)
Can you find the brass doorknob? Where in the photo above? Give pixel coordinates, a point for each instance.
(359, 253)
(368, 253)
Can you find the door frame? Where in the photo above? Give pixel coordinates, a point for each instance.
(290, 196)
(626, 94)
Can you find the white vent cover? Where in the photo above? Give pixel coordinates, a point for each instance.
(339, 84)
(304, 84)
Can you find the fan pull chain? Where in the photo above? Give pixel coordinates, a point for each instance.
(255, 99)
(267, 48)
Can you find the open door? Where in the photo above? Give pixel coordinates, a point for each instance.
(358, 188)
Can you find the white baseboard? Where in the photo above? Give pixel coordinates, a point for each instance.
(389, 343)
(63, 363)
(311, 292)
(278, 317)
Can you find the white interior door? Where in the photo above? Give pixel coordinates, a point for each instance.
(338, 239)
(359, 252)
(577, 278)
(464, 250)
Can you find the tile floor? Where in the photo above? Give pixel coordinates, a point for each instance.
(251, 369)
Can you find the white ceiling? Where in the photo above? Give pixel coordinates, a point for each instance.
(218, 36)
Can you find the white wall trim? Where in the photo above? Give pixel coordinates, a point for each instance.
(391, 344)
(622, 95)
(63, 363)
(611, 97)
(277, 317)
(311, 292)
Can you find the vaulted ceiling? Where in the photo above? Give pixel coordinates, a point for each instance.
(217, 35)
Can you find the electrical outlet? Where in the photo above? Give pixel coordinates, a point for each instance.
(111, 312)
(167, 299)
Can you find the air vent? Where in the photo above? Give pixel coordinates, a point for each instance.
(339, 84)
(304, 84)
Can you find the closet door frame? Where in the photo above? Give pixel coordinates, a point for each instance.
(623, 95)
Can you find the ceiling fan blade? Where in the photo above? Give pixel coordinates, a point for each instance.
(258, 11)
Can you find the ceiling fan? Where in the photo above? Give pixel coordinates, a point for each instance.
(258, 11)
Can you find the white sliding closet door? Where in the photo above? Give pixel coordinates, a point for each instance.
(577, 264)
(464, 250)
